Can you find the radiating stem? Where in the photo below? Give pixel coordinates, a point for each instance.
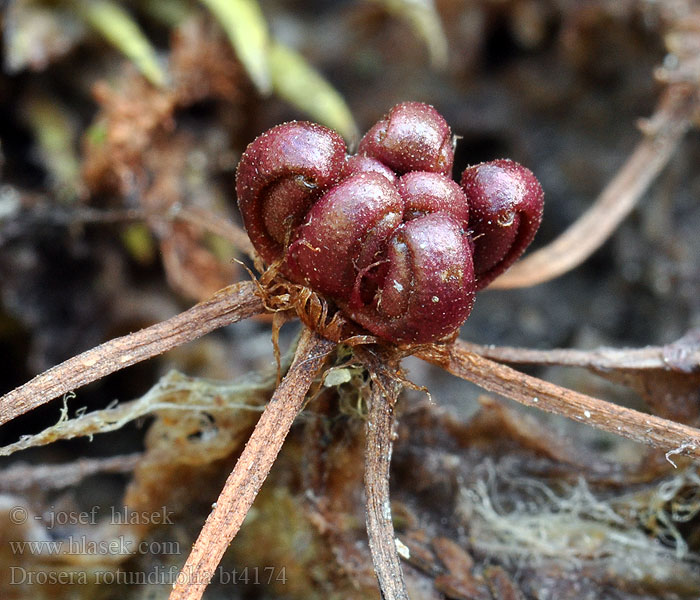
(682, 355)
(247, 477)
(379, 430)
(531, 391)
(227, 306)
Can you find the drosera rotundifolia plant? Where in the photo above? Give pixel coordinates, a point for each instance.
(381, 253)
(386, 234)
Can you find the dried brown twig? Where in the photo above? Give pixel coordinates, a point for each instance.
(531, 391)
(379, 428)
(246, 479)
(22, 477)
(663, 132)
(227, 306)
(682, 355)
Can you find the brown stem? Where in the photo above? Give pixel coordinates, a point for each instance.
(227, 306)
(666, 129)
(247, 477)
(530, 391)
(683, 355)
(22, 477)
(380, 529)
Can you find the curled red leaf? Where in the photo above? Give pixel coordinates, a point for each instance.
(506, 203)
(396, 244)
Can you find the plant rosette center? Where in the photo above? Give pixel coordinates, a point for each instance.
(385, 235)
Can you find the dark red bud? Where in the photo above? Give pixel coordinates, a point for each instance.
(359, 163)
(397, 261)
(280, 175)
(505, 204)
(428, 289)
(344, 232)
(402, 256)
(425, 192)
(412, 137)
